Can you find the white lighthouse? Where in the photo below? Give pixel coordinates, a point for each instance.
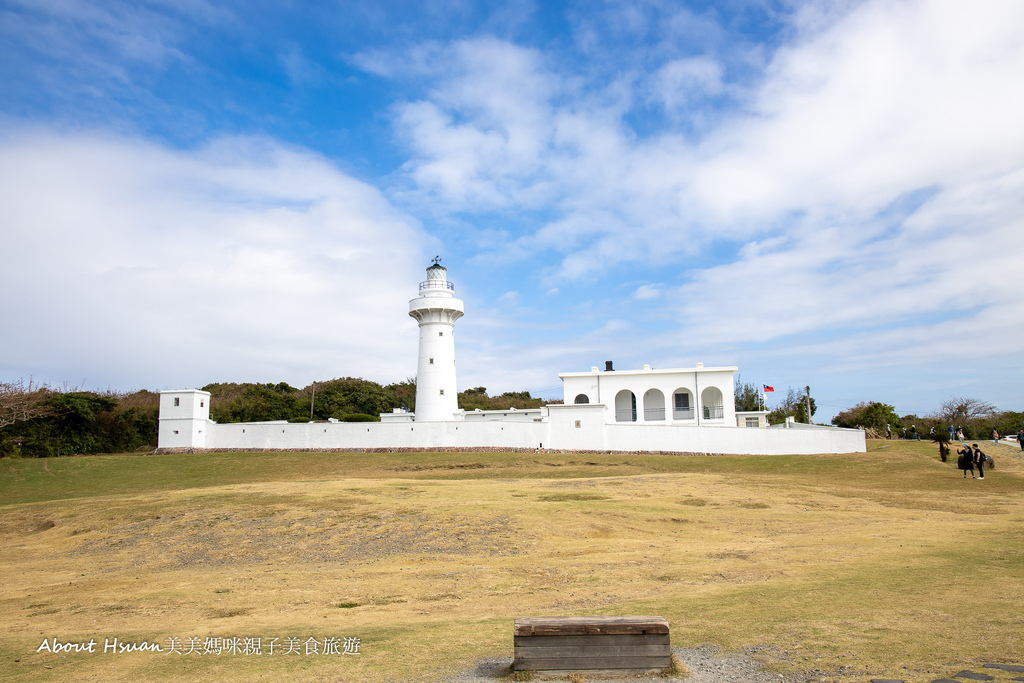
(436, 309)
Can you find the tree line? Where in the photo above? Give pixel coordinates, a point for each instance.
(40, 422)
(977, 418)
(37, 421)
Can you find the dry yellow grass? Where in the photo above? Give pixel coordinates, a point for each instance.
(872, 562)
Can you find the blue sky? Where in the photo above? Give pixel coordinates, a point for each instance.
(822, 193)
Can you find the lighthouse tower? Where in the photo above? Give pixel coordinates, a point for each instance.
(436, 309)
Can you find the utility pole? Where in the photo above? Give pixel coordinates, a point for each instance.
(808, 389)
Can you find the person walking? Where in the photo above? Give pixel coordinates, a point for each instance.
(951, 431)
(995, 437)
(979, 460)
(888, 434)
(1020, 438)
(966, 460)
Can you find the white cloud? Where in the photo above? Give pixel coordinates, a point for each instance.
(891, 101)
(106, 39)
(864, 199)
(300, 70)
(243, 260)
(851, 276)
(825, 206)
(418, 61)
(869, 105)
(484, 127)
(680, 81)
(646, 292)
(895, 97)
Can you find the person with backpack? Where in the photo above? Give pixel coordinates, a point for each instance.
(979, 459)
(966, 460)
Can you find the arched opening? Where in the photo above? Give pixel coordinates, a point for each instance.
(711, 400)
(582, 399)
(654, 406)
(625, 406)
(682, 404)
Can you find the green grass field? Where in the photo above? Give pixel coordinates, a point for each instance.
(883, 564)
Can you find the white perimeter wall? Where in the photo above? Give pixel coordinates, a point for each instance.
(559, 433)
(377, 435)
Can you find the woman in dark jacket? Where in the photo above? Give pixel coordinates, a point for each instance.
(966, 460)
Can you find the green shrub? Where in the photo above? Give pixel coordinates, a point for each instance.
(869, 415)
(360, 417)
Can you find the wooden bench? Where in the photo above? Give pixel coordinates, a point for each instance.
(608, 646)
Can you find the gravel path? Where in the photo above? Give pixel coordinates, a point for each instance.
(707, 664)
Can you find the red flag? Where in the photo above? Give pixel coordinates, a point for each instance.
(768, 389)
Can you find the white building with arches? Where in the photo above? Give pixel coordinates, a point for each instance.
(687, 396)
(679, 410)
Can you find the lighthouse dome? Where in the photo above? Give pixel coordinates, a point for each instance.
(437, 272)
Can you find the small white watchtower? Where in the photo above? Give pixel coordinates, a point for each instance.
(184, 417)
(436, 309)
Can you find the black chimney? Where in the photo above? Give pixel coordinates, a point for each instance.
(608, 366)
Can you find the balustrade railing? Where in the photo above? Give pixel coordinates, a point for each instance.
(654, 414)
(437, 284)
